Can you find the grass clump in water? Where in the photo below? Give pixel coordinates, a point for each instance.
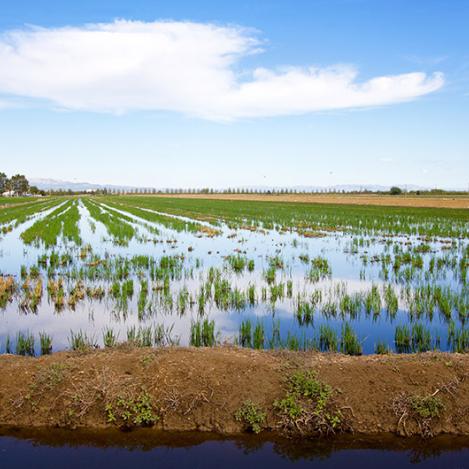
(46, 343)
(25, 344)
(349, 342)
(203, 333)
(327, 339)
(81, 342)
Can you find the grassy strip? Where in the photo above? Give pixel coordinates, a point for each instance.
(116, 226)
(168, 222)
(19, 214)
(48, 229)
(12, 201)
(329, 217)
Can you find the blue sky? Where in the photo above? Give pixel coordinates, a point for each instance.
(222, 94)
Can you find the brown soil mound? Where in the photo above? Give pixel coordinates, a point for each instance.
(203, 389)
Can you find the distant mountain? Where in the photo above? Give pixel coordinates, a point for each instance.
(56, 184)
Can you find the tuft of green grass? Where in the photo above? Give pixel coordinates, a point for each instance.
(25, 344)
(46, 343)
(251, 415)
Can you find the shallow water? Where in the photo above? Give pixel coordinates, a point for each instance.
(345, 254)
(137, 449)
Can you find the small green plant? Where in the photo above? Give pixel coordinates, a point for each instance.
(110, 338)
(46, 343)
(349, 342)
(80, 341)
(308, 406)
(423, 410)
(25, 344)
(327, 338)
(427, 406)
(127, 412)
(251, 416)
(382, 348)
(203, 333)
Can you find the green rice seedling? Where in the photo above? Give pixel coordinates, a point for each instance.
(382, 348)
(110, 338)
(292, 342)
(350, 344)
(245, 334)
(460, 341)
(237, 299)
(116, 290)
(304, 312)
(320, 268)
(222, 293)
(304, 258)
(350, 305)
(277, 292)
(128, 288)
(8, 345)
(251, 295)
(373, 301)
(403, 339)
(276, 263)
(251, 265)
(25, 344)
(80, 341)
(117, 225)
(182, 301)
(46, 343)
(203, 333)
(237, 263)
(270, 275)
(329, 309)
(142, 297)
(202, 298)
(327, 339)
(145, 336)
(391, 301)
(258, 336)
(421, 338)
(132, 335)
(289, 288)
(164, 335)
(275, 341)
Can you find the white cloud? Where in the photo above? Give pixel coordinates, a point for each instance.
(183, 67)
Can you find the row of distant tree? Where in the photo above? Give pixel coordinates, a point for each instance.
(17, 184)
(395, 190)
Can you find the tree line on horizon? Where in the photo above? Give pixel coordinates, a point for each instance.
(394, 190)
(18, 184)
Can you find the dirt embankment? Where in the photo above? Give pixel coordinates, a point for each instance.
(207, 390)
(459, 201)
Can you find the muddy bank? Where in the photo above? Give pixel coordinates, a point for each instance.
(229, 390)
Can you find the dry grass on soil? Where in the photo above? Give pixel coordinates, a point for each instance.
(228, 390)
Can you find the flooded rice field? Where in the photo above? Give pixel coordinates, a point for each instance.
(96, 271)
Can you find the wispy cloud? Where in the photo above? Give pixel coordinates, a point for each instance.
(185, 67)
